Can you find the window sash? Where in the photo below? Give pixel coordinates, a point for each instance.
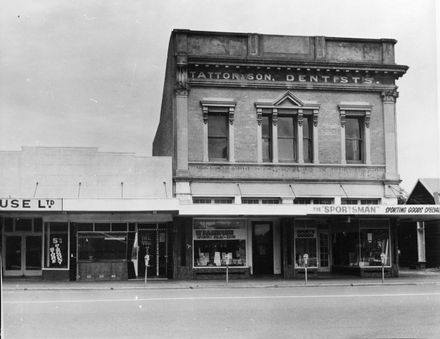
(354, 139)
(307, 140)
(266, 127)
(218, 136)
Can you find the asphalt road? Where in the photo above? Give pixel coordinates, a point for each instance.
(294, 312)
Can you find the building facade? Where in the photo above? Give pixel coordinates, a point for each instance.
(260, 127)
(80, 214)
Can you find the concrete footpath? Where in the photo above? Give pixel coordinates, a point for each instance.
(407, 277)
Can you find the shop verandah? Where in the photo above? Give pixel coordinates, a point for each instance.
(190, 243)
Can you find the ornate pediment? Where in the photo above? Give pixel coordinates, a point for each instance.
(288, 99)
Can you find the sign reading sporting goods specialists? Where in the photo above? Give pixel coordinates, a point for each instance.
(17, 204)
(375, 209)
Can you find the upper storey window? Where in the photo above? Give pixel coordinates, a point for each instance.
(218, 131)
(287, 130)
(218, 135)
(354, 140)
(355, 132)
(287, 139)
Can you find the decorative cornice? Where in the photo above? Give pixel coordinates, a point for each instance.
(359, 109)
(218, 102)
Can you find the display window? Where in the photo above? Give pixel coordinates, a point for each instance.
(219, 242)
(374, 243)
(362, 246)
(99, 246)
(56, 237)
(306, 244)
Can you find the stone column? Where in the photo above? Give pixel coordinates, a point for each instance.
(389, 115)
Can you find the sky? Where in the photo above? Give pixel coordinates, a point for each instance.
(89, 73)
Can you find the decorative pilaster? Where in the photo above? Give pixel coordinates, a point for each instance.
(181, 91)
(181, 87)
(389, 115)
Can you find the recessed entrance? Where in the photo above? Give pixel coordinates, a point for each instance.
(152, 240)
(262, 248)
(22, 255)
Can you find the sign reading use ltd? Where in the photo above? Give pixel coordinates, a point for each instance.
(17, 204)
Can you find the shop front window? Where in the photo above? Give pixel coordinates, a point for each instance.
(99, 246)
(56, 245)
(305, 243)
(219, 242)
(374, 242)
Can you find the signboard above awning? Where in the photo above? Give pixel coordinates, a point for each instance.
(88, 205)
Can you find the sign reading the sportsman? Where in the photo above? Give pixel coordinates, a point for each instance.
(14, 204)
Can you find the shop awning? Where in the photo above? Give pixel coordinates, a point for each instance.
(283, 190)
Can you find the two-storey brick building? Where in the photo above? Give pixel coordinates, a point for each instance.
(261, 126)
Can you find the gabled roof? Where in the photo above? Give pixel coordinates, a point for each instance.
(425, 191)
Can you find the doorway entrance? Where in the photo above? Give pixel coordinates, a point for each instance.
(152, 240)
(262, 248)
(22, 255)
(324, 251)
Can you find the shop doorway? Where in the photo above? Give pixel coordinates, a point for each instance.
(22, 253)
(152, 240)
(262, 248)
(324, 251)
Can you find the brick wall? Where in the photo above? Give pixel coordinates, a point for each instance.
(245, 123)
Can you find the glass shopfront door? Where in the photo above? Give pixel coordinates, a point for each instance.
(324, 251)
(262, 248)
(22, 253)
(154, 243)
